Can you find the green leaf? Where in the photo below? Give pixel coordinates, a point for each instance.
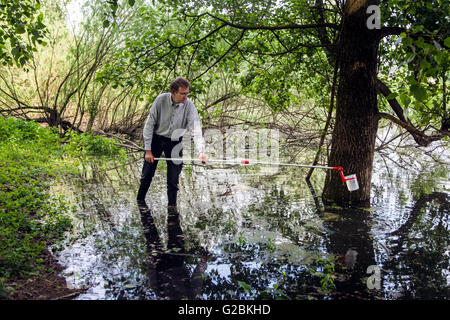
(447, 42)
(245, 286)
(22, 61)
(417, 29)
(106, 23)
(418, 92)
(425, 64)
(392, 95)
(432, 72)
(407, 41)
(20, 29)
(131, 2)
(438, 57)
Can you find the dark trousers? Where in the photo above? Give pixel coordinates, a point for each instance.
(161, 144)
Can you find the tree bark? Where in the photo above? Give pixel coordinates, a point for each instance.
(355, 130)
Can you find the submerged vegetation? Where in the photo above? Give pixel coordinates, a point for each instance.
(31, 158)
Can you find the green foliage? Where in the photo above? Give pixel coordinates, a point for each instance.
(180, 40)
(282, 67)
(325, 270)
(29, 217)
(28, 134)
(87, 145)
(419, 59)
(275, 292)
(248, 289)
(31, 157)
(21, 30)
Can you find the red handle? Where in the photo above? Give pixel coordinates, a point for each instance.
(244, 162)
(341, 172)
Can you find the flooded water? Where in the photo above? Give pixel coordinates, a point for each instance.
(252, 233)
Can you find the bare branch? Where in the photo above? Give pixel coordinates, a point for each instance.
(420, 137)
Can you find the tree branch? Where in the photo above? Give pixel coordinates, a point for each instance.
(281, 27)
(385, 91)
(322, 32)
(421, 138)
(396, 31)
(391, 31)
(221, 99)
(222, 56)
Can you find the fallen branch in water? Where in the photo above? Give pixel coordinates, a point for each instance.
(127, 143)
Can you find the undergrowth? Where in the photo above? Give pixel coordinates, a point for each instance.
(31, 159)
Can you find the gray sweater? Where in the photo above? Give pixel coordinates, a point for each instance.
(166, 117)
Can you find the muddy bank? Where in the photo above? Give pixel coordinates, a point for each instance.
(45, 285)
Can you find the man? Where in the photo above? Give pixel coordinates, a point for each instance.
(170, 112)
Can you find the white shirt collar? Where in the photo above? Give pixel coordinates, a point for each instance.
(180, 104)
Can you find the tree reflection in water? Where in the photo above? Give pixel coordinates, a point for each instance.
(267, 237)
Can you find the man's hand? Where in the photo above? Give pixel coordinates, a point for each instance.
(149, 156)
(203, 157)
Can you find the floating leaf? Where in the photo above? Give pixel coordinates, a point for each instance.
(245, 286)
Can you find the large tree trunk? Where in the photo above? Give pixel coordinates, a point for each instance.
(353, 139)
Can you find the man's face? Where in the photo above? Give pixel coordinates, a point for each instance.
(180, 95)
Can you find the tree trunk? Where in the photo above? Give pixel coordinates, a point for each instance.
(355, 129)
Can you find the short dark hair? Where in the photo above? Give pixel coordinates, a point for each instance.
(179, 82)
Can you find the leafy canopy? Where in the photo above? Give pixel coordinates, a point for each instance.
(270, 46)
(21, 30)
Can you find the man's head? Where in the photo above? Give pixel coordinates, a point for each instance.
(179, 88)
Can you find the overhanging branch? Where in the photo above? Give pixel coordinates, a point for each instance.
(420, 137)
(385, 91)
(391, 31)
(396, 31)
(292, 26)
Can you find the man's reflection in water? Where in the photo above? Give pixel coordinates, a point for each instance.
(169, 277)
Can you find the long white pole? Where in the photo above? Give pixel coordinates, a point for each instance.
(248, 162)
(352, 186)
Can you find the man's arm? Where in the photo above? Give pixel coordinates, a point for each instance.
(148, 131)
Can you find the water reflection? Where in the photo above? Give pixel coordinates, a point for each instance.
(240, 234)
(350, 239)
(418, 253)
(168, 273)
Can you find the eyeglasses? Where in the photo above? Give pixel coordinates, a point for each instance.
(183, 93)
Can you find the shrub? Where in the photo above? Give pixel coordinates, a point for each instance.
(88, 145)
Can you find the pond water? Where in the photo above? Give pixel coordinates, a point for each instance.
(257, 232)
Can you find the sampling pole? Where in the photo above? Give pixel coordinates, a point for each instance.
(351, 180)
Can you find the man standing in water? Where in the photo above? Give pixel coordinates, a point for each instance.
(169, 113)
